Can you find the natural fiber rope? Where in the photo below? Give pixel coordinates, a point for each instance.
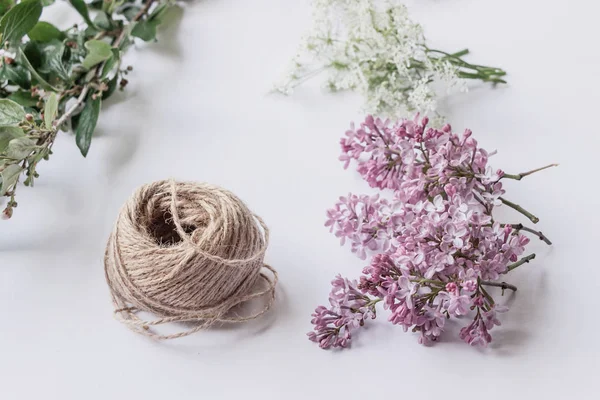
(186, 252)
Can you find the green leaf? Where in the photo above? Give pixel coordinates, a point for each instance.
(82, 9)
(131, 11)
(102, 21)
(9, 175)
(112, 86)
(11, 113)
(40, 154)
(50, 109)
(41, 81)
(34, 53)
(111, 63)
(47, 3)
(52, 60)
(95, 4)
(109, 6)
(20, 148)
(6, 5)
(44, 32)
(98, 51)
(24, 98)
(8, 133)
(19, 20)
(18, 75)
(145, 30)
(159, 12)
(87, 123)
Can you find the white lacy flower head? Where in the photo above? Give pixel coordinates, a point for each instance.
(375, 48)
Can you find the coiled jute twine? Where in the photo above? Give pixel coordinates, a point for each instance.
(186, 252)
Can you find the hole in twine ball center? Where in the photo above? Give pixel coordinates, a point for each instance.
(163, 229)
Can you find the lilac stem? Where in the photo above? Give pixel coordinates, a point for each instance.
(502, 285)
(520, 209)
(522, 175)
(539, 234)
(520, 262)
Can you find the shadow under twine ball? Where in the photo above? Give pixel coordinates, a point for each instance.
(186, 252)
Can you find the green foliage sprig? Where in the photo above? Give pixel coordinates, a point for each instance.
(52, 79)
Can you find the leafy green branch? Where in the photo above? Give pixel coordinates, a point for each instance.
(53, 80)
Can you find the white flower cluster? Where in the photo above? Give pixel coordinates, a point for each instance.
(373, 47)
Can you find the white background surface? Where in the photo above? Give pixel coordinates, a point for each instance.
(198, 108)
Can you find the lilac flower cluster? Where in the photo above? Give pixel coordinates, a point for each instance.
(349, 310)
(434, 244)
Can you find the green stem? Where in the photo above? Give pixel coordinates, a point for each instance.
(520, 209)
(520, 262)
(461, 53)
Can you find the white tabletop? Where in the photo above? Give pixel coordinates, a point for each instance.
(198, 108)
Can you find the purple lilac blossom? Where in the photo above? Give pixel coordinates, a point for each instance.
(349, 309)
(433, 242)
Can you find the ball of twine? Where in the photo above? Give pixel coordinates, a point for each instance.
(186, 252)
